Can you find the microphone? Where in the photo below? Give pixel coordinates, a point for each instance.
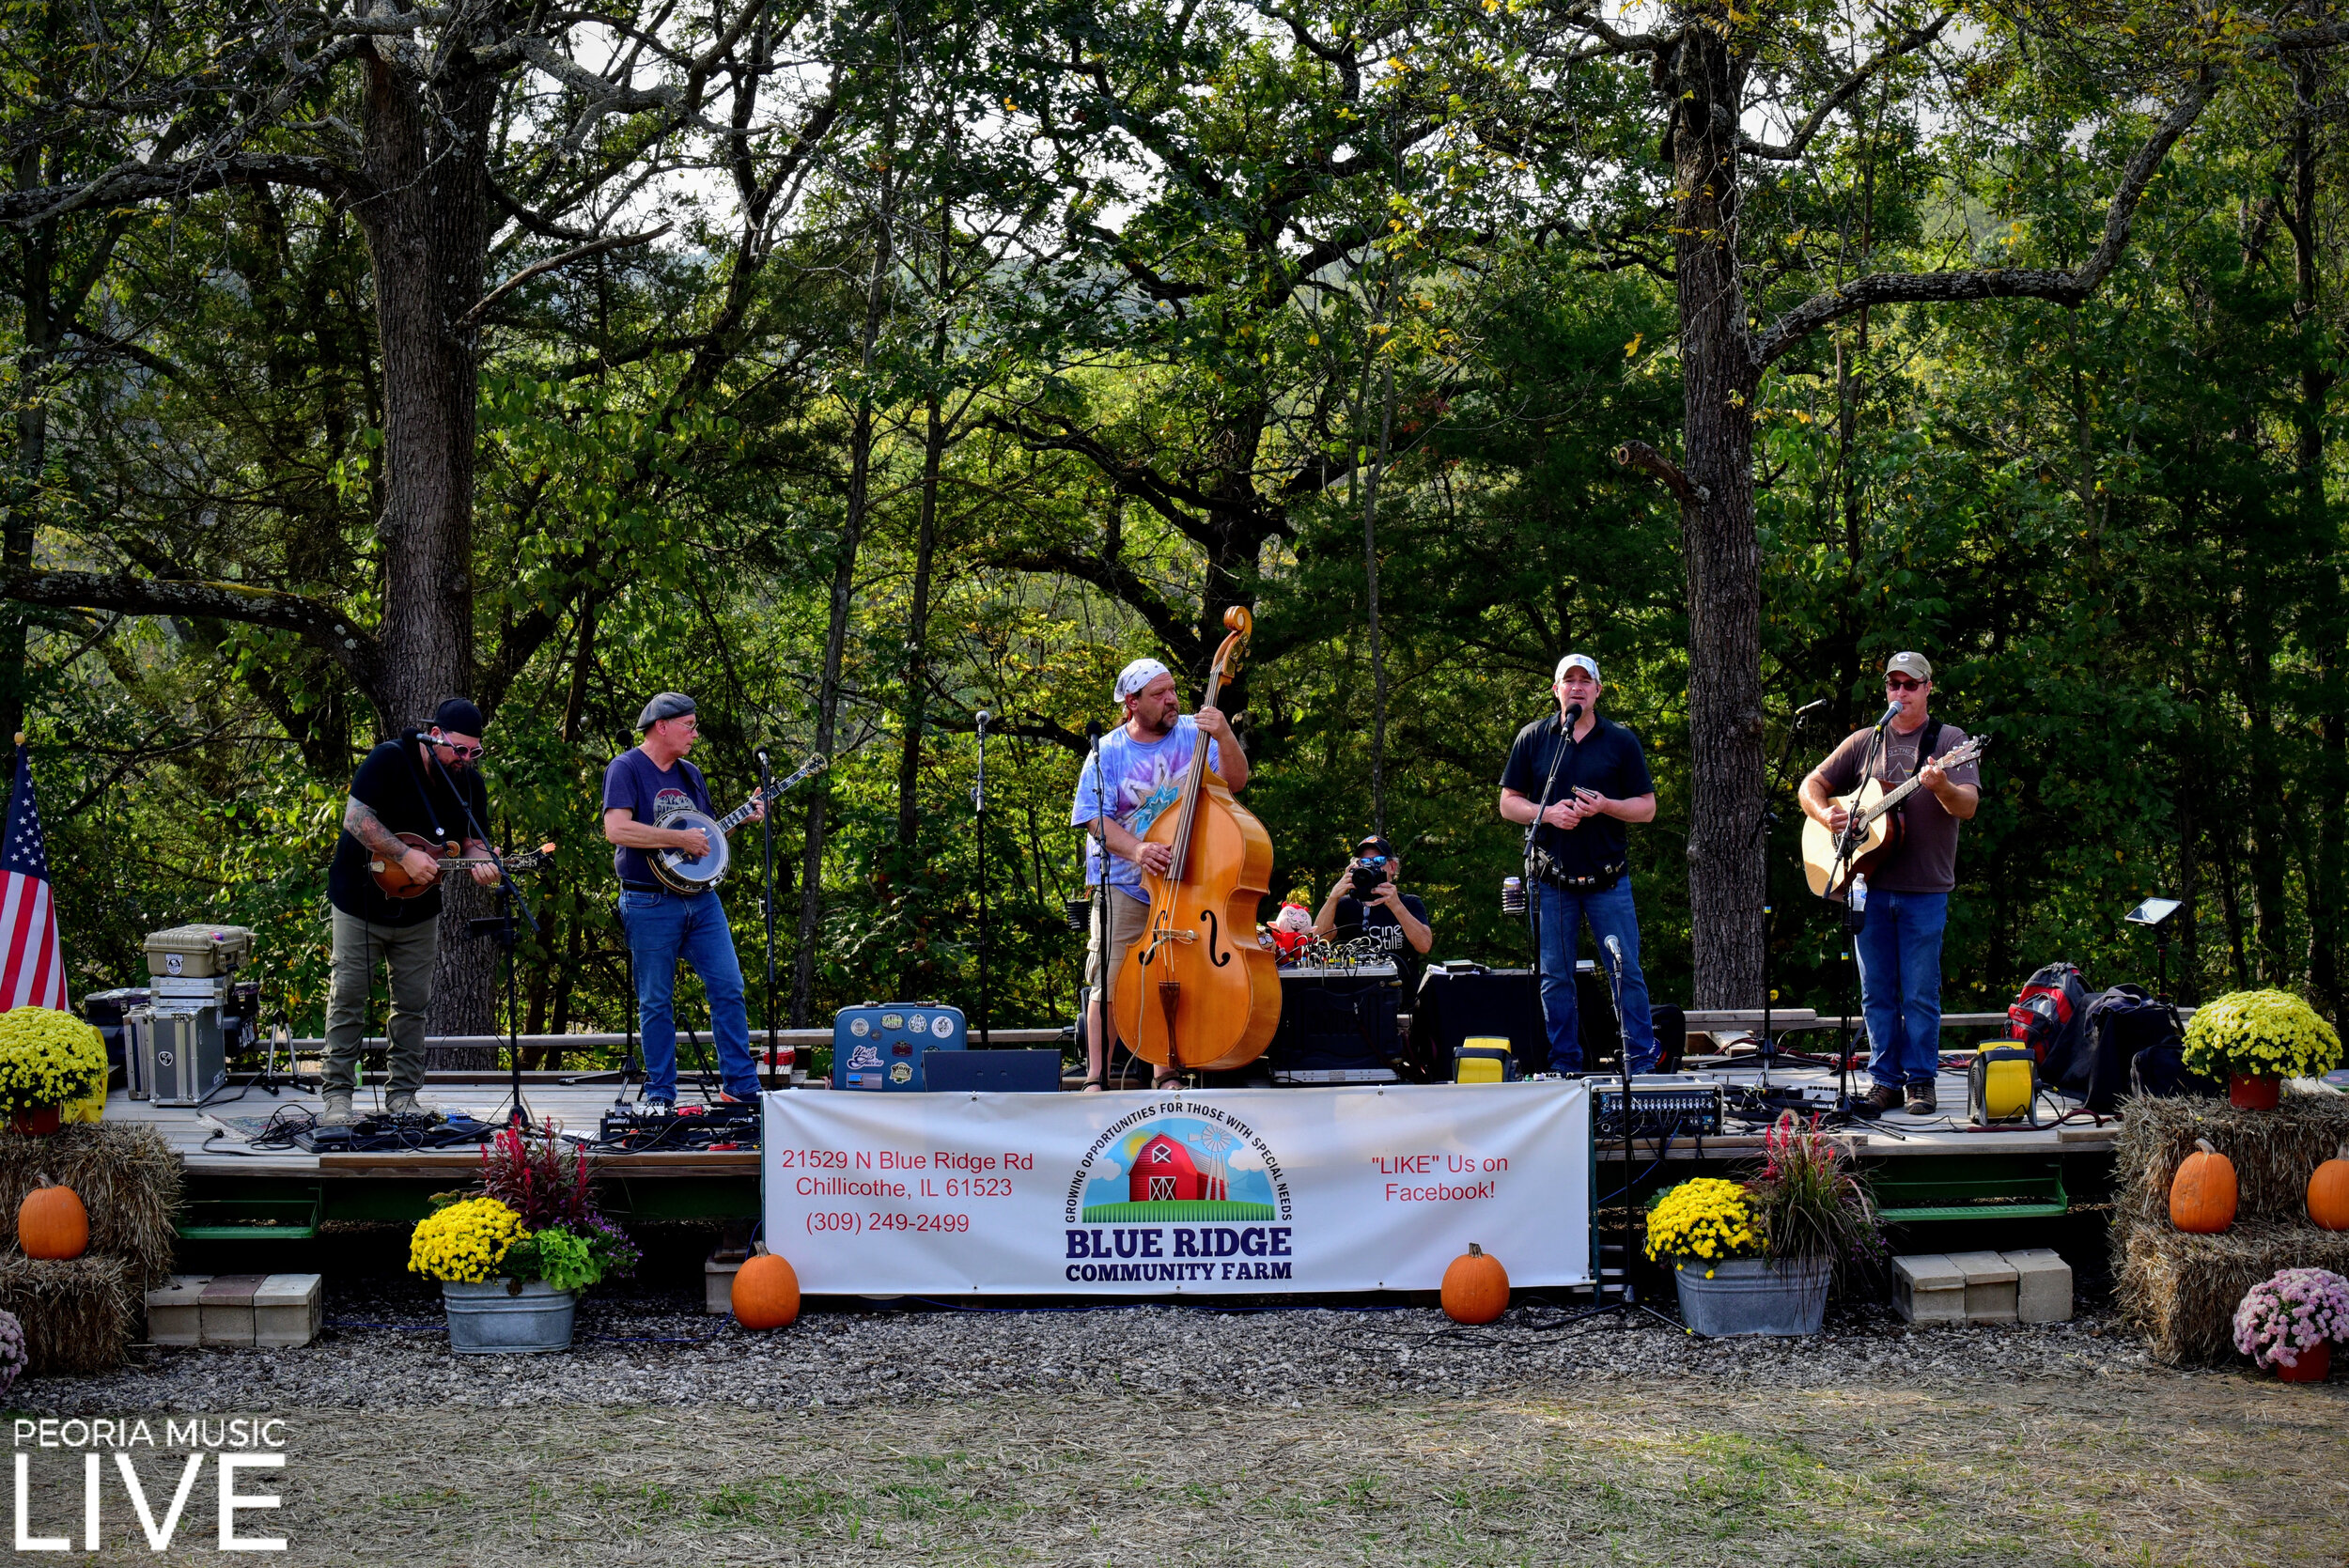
(1809, 708)
(1892, 711)
(984, 715)
(1093, 729)
(1574, 716)
(1614, 950)
(761, 755)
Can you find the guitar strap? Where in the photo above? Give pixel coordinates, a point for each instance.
(407, 741)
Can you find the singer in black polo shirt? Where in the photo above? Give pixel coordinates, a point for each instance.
(1594, 784)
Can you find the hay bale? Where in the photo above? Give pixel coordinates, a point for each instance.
(2181, 1291)
(2275, 1152)
(78, 1314)
(127, 1176)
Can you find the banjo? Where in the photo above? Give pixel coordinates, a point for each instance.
(687, 874)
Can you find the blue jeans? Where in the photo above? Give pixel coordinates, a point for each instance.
(661, 929)
(1610, 915)
(1900, 984)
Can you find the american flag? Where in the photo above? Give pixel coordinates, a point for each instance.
(33, 974)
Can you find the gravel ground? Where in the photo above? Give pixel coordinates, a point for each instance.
(384, 1348)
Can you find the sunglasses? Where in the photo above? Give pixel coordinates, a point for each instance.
(1902, 683)
(463, 754)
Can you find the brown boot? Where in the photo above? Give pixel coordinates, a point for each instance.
(1921, 1101)
(1876, 1101)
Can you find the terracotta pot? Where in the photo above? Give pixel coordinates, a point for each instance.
(2311, 1367)
(38, 1123)
(2254, 1093)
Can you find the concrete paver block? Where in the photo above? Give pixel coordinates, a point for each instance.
(1928, 1288)
(2043, 1285)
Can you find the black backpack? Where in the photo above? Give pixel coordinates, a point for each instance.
(2120, 1024)
(2159, 1071)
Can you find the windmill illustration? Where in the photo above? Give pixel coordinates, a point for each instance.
(1215, 1144)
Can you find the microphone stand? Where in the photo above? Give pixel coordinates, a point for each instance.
(1569, 716)
(1101, 902)
(767, 836)
(978, 807)
(1845, 849)
(1761, 825)
(500, 929)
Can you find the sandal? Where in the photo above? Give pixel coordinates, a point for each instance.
(1166, 1080)
(1091, 1085)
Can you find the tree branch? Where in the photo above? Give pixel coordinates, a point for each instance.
(2065, 287)
(320, 625)
(1795, 144)
(1639, 455)
(539, 269)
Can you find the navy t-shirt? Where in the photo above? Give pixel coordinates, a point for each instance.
(1610, 761)
(634, 784)
(410, 796)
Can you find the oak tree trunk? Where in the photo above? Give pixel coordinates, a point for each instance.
(1722, 555)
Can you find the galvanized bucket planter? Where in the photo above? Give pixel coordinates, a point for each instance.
(502, 1318)
(1752, 1295)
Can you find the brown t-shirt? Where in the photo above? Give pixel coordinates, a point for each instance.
(1926, 861)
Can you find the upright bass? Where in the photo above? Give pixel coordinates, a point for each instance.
(1198, 991)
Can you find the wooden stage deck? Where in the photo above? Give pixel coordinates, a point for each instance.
(232, 1184)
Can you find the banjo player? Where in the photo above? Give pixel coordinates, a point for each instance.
(643, 787)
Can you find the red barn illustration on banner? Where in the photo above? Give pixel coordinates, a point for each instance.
(1164, 1171)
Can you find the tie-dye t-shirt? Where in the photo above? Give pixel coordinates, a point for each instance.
(1141, 780)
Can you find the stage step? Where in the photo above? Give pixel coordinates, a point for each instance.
(1933, 1188)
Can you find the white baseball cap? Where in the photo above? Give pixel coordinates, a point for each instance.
(1576, 661)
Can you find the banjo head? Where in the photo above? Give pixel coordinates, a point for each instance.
(694, 873)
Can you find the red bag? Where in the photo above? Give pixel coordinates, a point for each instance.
(2047, 1014)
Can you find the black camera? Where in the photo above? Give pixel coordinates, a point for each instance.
(1367, 874)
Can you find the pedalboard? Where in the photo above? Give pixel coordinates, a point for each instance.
(647, 1129)
(393, 1134)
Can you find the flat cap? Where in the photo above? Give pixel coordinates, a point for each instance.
(668, 705)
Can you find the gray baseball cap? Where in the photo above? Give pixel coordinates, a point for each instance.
(668, 705)
(1576, 661)
(1914, 665)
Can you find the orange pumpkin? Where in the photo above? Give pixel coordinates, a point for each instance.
(766, 1292)
(1476, 1288)
(2202, 1194)
(2328, 1192)
(52, 1222)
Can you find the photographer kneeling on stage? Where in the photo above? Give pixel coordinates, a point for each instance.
(1367, 901)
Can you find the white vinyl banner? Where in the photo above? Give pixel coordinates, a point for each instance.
(1233, 1190)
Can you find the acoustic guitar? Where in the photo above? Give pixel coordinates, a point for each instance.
(392, 878)
(1876, 828)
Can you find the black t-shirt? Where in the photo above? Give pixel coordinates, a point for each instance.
(1610, 760)
(410, 795)
(1358, 918)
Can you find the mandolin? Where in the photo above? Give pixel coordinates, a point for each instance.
(1876, 829)
(1198, 991)
(394, 879)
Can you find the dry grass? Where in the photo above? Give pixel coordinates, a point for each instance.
(126, 1176)
(2208, 1471)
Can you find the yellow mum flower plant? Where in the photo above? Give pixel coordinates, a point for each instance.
(1707, 1219)
(48, 1058)
(464, 1243)
(2260, 1034)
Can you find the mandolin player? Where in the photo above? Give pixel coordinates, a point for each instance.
(408, 786)
(1898, 948)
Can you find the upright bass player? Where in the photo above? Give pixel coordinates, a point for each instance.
(1142, 767)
